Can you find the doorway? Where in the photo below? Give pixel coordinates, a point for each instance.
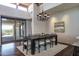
(12, 30)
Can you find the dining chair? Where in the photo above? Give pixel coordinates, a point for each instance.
(26, 44)
(48, 41)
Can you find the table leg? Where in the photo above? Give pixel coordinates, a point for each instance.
(32, 47)
(76, 51)
(50, 43)
(38, 46)
(27, 46)
(56, 40)
(45, 44)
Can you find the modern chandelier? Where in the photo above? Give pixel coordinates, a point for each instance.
(43, 16)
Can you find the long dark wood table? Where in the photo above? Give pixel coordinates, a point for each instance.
(39, 37)
(34, 38)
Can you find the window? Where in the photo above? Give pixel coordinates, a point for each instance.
(7, 30)
(30, 8)
(9, 5)
(22, 8)
(14, 6)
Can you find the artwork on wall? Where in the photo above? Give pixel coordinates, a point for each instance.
(59, 27)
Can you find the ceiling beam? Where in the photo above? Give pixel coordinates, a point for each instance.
(25, 5)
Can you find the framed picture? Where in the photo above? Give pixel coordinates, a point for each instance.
(59, 27)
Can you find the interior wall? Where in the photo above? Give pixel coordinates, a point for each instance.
(37, 26)
(29, 27)
(11, 12)
(71, 19)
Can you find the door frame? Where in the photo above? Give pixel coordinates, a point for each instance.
(9, 17)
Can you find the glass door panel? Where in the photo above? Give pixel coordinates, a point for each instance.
(20, 29)
(17, 30)
(23, 28)
(0, 30)
(7, 30)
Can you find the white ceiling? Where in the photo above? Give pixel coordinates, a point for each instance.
(62, 7)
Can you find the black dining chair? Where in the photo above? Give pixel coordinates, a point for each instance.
(52, 39)
(48, 40)
(39, 42)
(26, 44)
(42, 42)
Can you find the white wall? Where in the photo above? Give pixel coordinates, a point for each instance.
(29, 27)
(37, 26)
(71, 19)
(7, 11)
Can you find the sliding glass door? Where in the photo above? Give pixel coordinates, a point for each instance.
(0, 30)
(20, 29)
(7, 30)
(12, 30)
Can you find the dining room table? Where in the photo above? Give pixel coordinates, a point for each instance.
(37, 37)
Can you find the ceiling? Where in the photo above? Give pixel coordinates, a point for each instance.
(25, 5)
(38, 4)
(62, 7)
